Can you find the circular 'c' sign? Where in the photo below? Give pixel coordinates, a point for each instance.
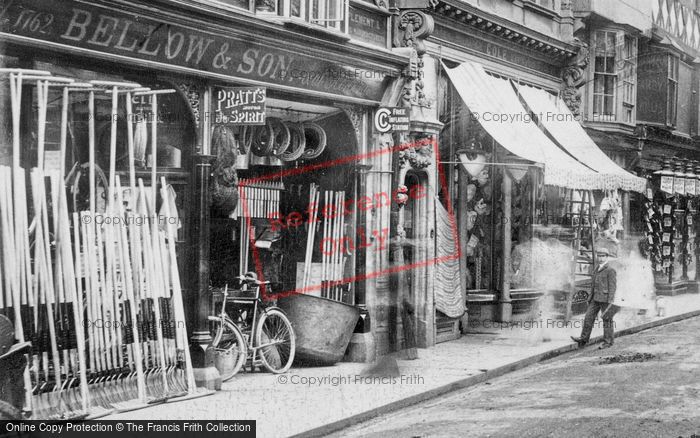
(381, 120)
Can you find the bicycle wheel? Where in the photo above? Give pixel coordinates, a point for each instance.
(229, 347)
(275, 338)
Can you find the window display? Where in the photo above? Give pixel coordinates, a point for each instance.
(670, 220)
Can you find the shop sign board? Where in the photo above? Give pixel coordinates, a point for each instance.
(667, 184)
(392, 119)
(484, 44)
(240, 105)
(368, 26)
(238, 54)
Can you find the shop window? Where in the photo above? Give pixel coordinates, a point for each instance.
(244, 4)
(329, 14)
(629, 79)
(614, 77)
(605, 77)
(175, 137)
(522, 218)
(479, 224)
(672, 91)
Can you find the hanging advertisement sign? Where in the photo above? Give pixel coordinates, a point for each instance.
(667, 184)
(690, 186)
(679, 185)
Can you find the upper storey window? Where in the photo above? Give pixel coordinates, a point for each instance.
(328, 14)
(613, 84)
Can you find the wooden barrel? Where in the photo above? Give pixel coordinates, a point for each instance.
(323, 327)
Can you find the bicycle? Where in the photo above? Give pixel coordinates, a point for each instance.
(268, 332)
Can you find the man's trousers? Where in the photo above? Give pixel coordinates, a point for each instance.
(608, 311)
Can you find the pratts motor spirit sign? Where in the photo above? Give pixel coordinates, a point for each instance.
(240, 105)
(80, 25)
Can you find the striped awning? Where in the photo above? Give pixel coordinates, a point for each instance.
(557, 120)
(569, 157)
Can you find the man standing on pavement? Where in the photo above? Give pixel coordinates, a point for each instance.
(604, 286)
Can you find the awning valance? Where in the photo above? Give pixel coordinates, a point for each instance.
(494, 103)
(556, 119)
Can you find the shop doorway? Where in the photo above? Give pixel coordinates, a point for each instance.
(289, 251)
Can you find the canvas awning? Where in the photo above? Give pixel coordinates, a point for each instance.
(557, 120)
(496, 106)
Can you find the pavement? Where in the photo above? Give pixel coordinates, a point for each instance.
(646, 385)
(321, 400)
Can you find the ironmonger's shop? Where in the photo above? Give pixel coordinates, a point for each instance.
(534, 194)
(153, 165)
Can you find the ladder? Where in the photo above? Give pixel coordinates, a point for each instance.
(580, 216)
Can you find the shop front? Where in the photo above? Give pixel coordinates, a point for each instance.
(471, 160)
(534, 193)
(669, 215)
(660, 146)
(267, 150)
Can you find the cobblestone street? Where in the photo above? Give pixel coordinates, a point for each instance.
(645, 385)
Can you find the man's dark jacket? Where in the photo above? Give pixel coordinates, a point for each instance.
(604, 284)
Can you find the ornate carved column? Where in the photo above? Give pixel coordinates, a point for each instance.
(573, 78)
(411, 28)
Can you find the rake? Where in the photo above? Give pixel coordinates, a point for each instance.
(179, 312)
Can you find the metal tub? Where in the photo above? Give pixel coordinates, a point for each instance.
(323, 327)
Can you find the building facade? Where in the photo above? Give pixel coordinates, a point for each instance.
(530, 43)
(641, 107)
(330, 64)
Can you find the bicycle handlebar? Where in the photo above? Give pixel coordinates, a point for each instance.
(251, 279)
